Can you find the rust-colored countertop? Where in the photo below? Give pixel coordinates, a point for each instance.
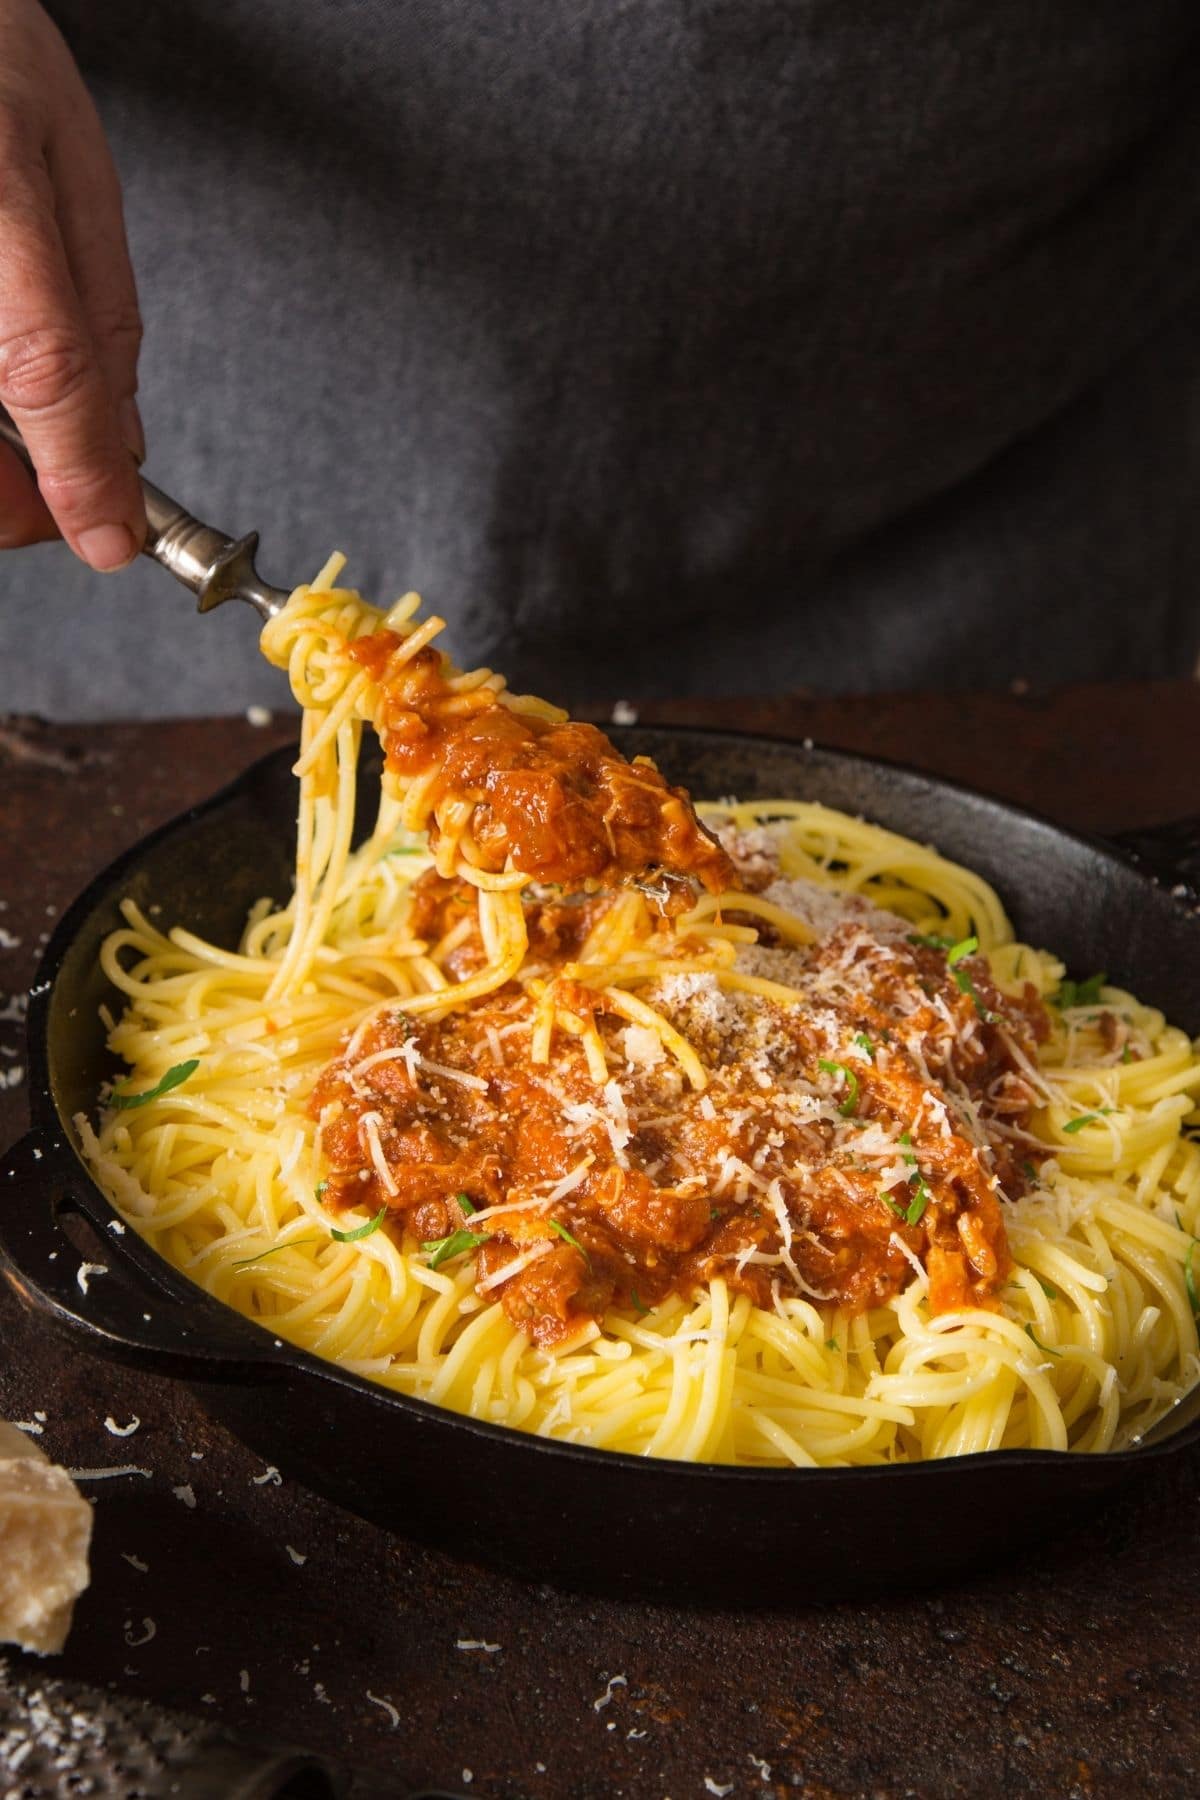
(1074, 1673)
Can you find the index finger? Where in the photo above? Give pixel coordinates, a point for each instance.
(52, 383)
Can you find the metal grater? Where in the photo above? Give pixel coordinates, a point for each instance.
(60, 1740)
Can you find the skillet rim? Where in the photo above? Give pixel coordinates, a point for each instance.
(278, 1359)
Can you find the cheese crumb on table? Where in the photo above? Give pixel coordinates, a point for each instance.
(45, 1531)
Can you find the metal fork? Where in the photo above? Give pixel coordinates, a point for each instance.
(215, 566)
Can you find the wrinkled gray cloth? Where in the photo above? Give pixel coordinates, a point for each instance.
(681, 345)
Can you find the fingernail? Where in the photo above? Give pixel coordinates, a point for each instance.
(107, 547)
(131, 429)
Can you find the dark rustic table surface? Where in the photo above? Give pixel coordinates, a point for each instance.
(1075, 1672)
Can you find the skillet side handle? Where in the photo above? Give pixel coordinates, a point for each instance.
(1170, 853)
(104, 1306)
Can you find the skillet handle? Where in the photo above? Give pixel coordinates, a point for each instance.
(110, 1306)
(1170, 853)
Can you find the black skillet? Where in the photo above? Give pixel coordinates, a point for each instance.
(552, 1511)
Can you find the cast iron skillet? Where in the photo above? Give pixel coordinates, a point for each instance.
(577, 1517)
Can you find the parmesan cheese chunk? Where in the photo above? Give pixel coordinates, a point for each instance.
(643, 1047)
(45, 1530)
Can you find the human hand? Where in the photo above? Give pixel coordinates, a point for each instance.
(69, 326)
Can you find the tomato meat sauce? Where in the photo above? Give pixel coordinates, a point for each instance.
(880, 1120)
(552, 797)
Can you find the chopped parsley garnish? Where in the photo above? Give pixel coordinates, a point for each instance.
(1079, 993)
(831, 1343)
(956, 952)
(850, 1103)
(173, 1078)
(567, 1238)
(1044, 1348)
(1127, 1054)
(915, 1209)
(466, 1204)
(637, 1305)
(1030, 1171)
(243, 1262)
(967, 986)
(441, 1250)
(1074, 1125)
(931, 940)
(319, 1189)
(1051, 1293)
(863, 1043)
(921, 1195)
(359, 1231)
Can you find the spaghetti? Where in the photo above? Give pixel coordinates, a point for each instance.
(542, 1105)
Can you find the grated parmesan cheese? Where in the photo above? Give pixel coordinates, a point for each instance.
(111, 1425)
(369, 1125)
(605, 1699)
(514, 1266)
(642, 1046)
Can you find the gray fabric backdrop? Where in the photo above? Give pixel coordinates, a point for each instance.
(664, 345)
